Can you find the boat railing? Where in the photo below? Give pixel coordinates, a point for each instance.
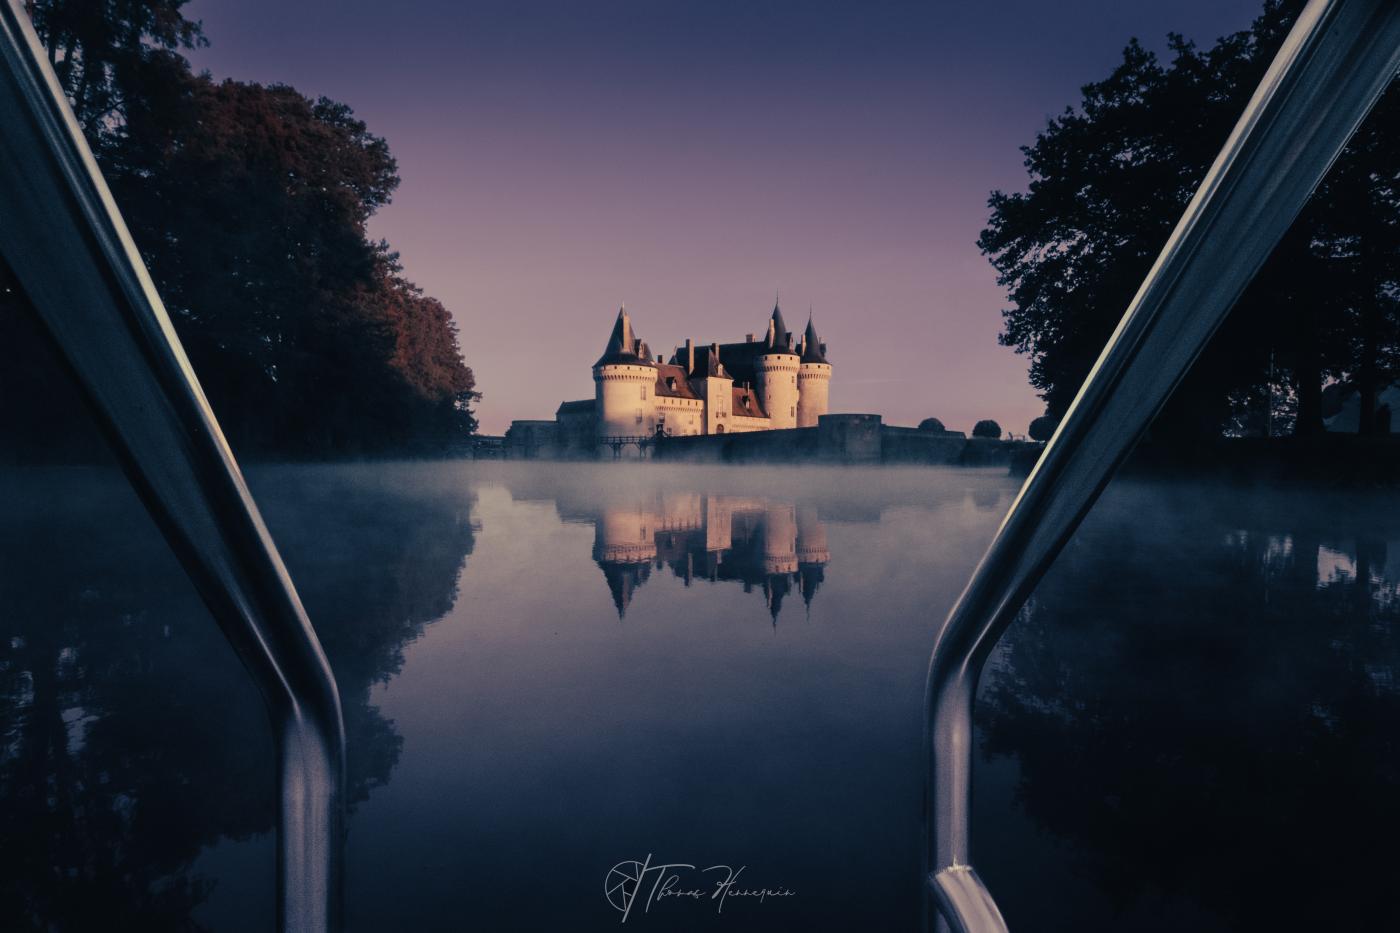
(1333, 66)
(68, 249)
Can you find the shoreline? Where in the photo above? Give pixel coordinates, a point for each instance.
(1329, 460)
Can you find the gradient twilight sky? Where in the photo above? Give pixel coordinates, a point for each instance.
(690, 157)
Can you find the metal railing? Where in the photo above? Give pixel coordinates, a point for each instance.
(1334, 64)
(66, 244)
(65, 241)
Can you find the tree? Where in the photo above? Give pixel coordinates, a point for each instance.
(101, 52)
(987, 428)
(1108, 182)
(249, 204)
(104, 819)
(932, 424)
(1147, 686)
(1043, 428)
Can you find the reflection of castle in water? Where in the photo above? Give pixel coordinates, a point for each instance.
(770, 546)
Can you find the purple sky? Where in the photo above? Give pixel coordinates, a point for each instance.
(690, 158)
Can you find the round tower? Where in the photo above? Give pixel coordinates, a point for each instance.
(813, 379)
(779, 539)
(624, 381)
(811, 537)
(775, 374)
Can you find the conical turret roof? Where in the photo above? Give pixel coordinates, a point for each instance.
(623, 345)
(812, 349)
(779, 339)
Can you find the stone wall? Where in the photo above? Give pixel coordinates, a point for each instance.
(843, 439)
(910, 445)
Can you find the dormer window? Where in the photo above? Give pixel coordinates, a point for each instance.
(671, 383)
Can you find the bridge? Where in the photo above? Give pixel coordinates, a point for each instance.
(618, 442)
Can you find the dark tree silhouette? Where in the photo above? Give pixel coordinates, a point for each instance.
(1109, 179)
(986, 428)
(133, 736)
(1043, 428)
(1198, 663)
(250, 204)
(931, 424)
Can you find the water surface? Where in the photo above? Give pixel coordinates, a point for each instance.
(551, 670)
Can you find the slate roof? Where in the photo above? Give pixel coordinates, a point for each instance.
(673, 382)
(584, 406)
(623, 346)
(739, 359)
(707, 364)
(782, 340)
(746, 404)
(813, 350)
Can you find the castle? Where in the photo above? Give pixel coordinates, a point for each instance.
(772, 547)
(763, 384)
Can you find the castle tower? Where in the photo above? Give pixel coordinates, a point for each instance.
(625, 384)
(775, 374)
(625, 535)
(813, 379)
(779, 539)
(811, 537)
(716, 389)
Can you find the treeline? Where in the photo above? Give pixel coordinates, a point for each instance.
(1108, 181)
(249, 203)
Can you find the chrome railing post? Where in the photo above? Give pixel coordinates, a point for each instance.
(64, 240)
(1334, 64)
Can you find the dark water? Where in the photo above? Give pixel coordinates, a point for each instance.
(547, 672)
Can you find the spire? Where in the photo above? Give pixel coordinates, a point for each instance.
(813, 350)
(778, 336)
(623, 581)
(623, 346)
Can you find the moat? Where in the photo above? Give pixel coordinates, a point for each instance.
(550, 669)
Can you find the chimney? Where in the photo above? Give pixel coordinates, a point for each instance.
(748, 338)
(689, 356)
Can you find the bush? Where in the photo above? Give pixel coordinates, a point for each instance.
(931, 424)
(986, 428)
(1043, 428)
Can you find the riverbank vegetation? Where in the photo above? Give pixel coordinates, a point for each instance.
(1109, 179)
(250, 206)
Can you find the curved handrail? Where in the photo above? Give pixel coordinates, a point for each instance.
(1332, 67)
(64, 240)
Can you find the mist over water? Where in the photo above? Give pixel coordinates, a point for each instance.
(549, 670)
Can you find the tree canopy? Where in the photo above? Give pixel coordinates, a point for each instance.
(1108, 181)
(249, 203)
(1042, 428)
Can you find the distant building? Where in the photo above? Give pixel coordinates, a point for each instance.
(762, 384)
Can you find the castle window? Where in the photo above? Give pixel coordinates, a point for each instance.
(792, 412)
(644, 393)
(639, 416)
